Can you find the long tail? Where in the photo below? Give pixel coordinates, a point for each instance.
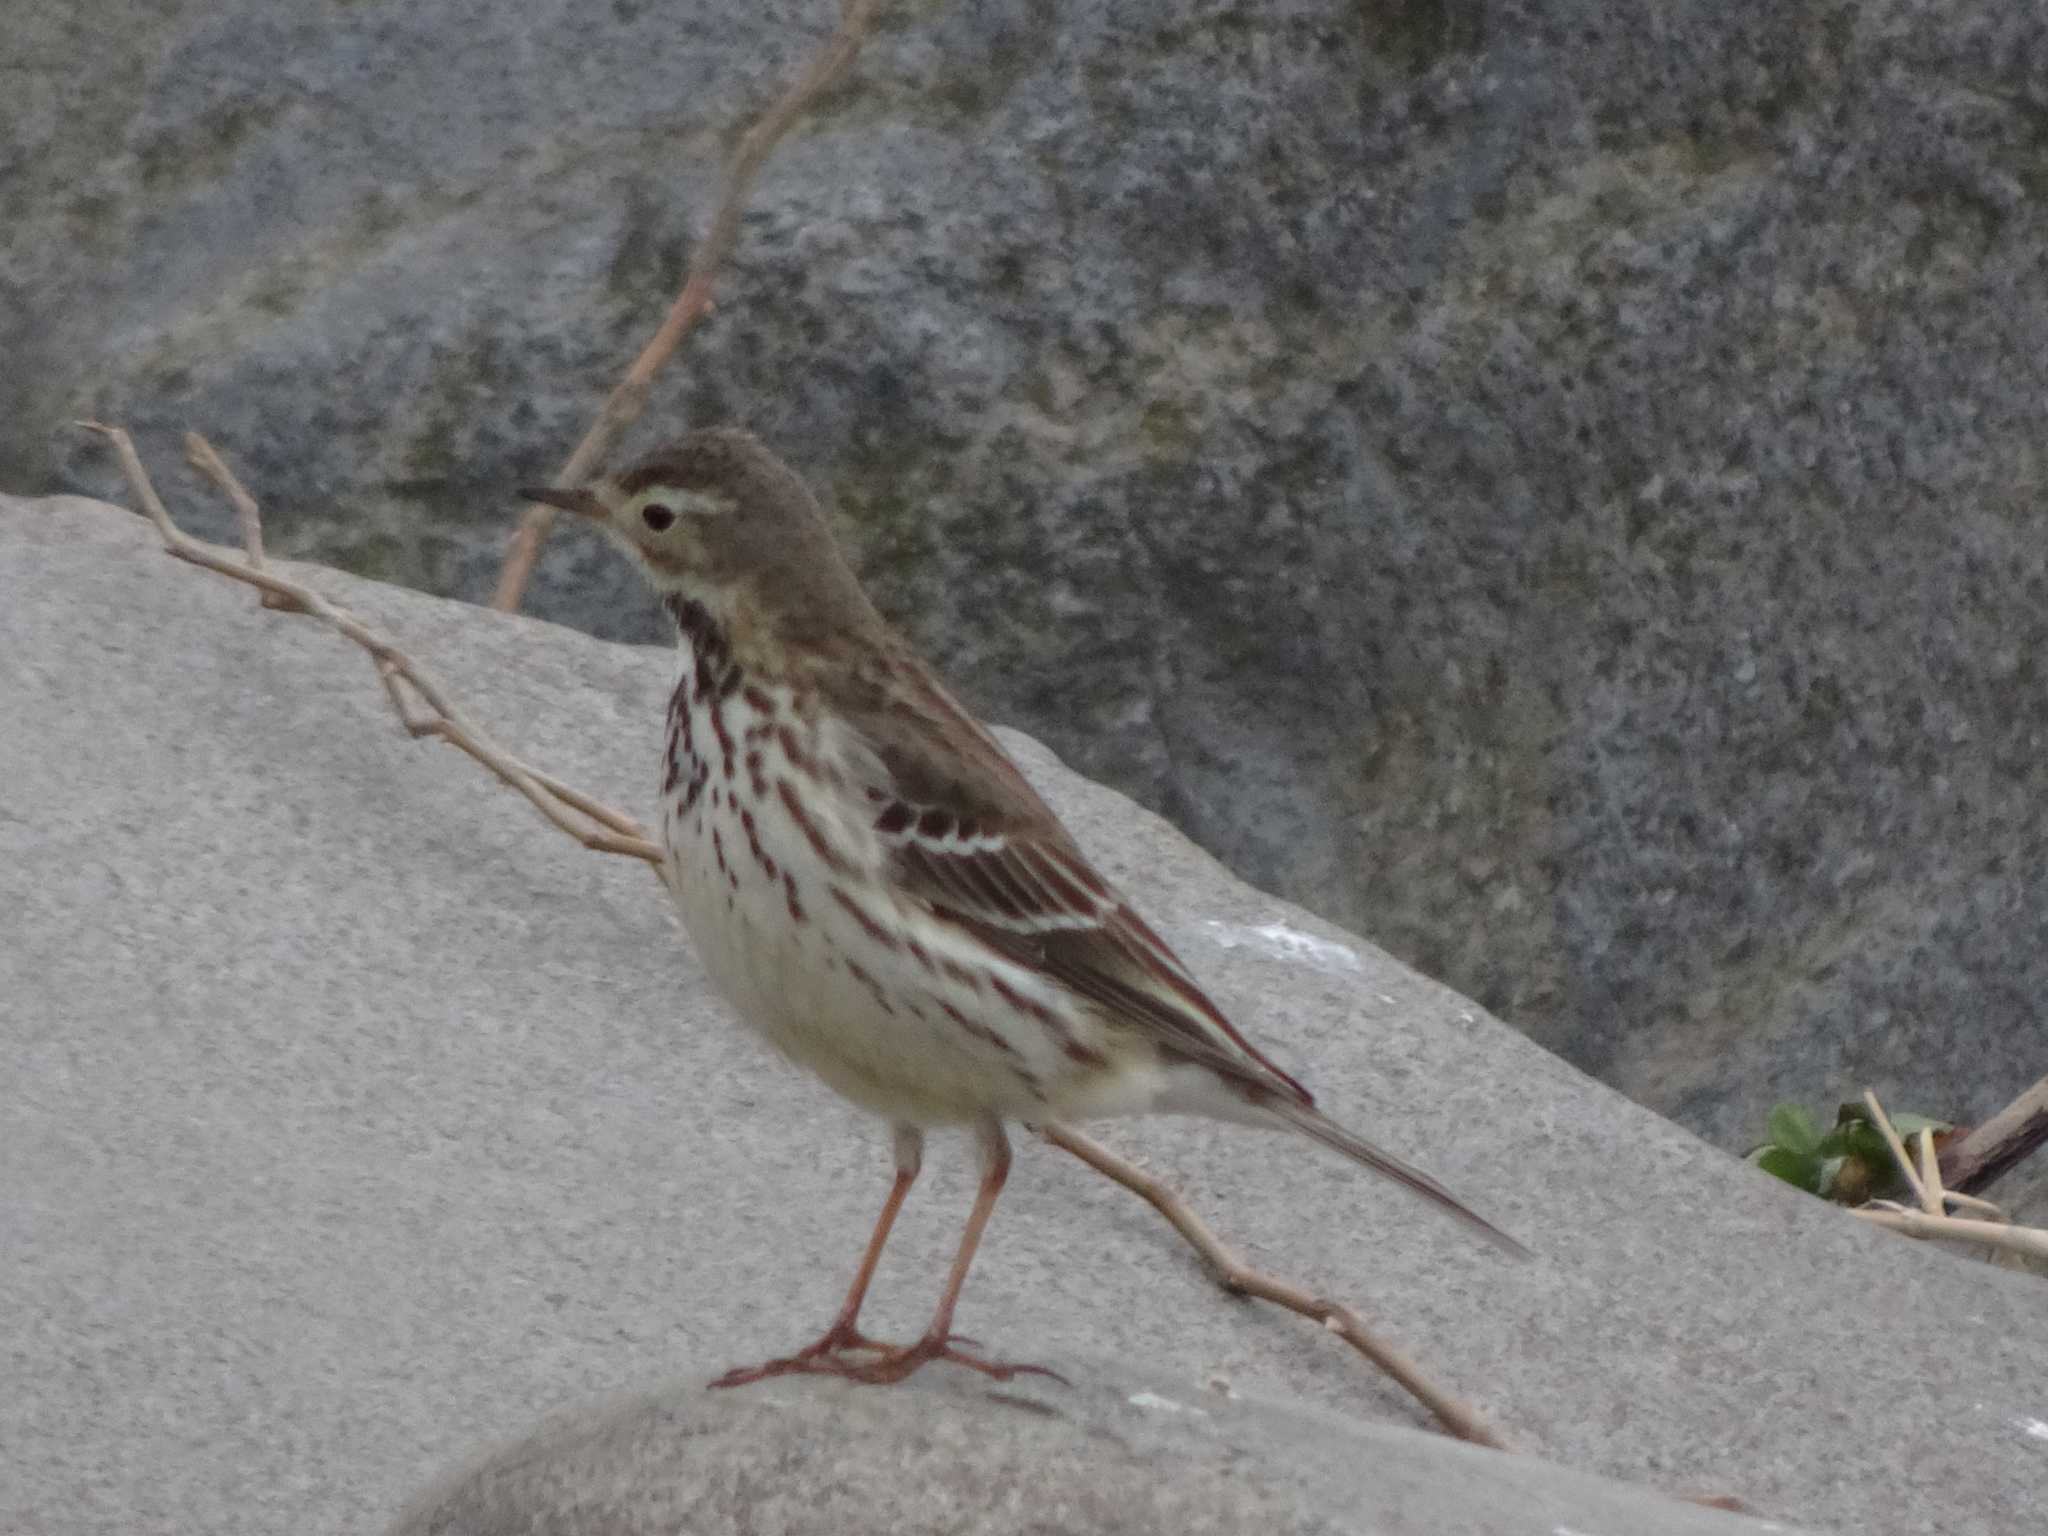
(1311, 1121)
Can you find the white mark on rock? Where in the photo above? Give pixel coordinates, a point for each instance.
(1285, 943)
(2033, 1429)
(1158, 1404)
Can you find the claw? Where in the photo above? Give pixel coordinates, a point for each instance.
(830, 1357)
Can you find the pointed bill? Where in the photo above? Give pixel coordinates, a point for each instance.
(580, 501)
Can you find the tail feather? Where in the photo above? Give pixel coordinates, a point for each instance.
(1311, 1121)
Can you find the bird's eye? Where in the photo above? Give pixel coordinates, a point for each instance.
(657, 517)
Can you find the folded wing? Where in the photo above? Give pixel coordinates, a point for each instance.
(968, 836)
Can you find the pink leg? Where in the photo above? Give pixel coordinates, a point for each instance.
(844, 1334)
(938, 1342)
(829, 1357)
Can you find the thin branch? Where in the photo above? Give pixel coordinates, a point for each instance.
(602, 830)
(1240, 1279)
(623, 406)
(1990, 1208)
(2032, 1241)
(599, 812)
(1972, 1163)
(200, 455)
(1883, 1122)
(1935, 1201)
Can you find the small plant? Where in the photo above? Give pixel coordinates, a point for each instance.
(1848, 1164)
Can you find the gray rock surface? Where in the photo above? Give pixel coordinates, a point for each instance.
(1554, 488)
(351, 1119)
(1118, 1454)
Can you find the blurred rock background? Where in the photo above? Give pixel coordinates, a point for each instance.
(1554, 487)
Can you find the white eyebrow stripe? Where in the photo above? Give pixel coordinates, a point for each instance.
(678, 499)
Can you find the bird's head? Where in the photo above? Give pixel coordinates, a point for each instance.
(707, 516)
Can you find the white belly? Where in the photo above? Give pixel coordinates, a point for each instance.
(811, 951)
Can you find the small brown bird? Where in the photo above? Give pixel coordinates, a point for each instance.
(875, 888)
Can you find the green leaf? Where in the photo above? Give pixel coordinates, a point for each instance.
(1801, 1169)
(1793, 1129)
(1910, 1124)
(1863, 1140)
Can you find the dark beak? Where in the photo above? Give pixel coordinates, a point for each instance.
(584, 502)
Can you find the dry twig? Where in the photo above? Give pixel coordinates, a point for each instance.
(1883, 1122)
(590, 823)
(1924, 1177)
(1933, 1198)
(1240, 1279)
(200, 455)
(623, 406)
(2008, 1138)
(2032, 1241)
(610, 831)
(1990, 1208)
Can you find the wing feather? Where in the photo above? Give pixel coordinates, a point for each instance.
(969, 837)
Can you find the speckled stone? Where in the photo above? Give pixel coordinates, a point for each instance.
(351, 1120)
(1121, 1453)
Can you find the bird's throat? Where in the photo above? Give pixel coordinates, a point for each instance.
(695, 626)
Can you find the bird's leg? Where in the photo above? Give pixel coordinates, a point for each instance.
(845, 1333)
(939, 1341)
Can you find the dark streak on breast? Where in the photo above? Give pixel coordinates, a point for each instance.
(829, 856)
(979, 1030)
(725, 745)
(793, 749)
(754, 843)
(870, 925)
(854, 970)
(672, 764)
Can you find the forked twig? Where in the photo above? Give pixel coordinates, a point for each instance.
(1932, 1219)
(1240, 1279)
(590, 823)
(623, 406)
(598, 826)
(200, 455)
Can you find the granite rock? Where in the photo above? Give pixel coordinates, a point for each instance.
(1111, 1455)
(351, 1119)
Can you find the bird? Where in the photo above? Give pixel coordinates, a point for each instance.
(877, 890)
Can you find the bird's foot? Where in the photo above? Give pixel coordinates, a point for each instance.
(896, 1364)
(840, 1339)
(840, 1354)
